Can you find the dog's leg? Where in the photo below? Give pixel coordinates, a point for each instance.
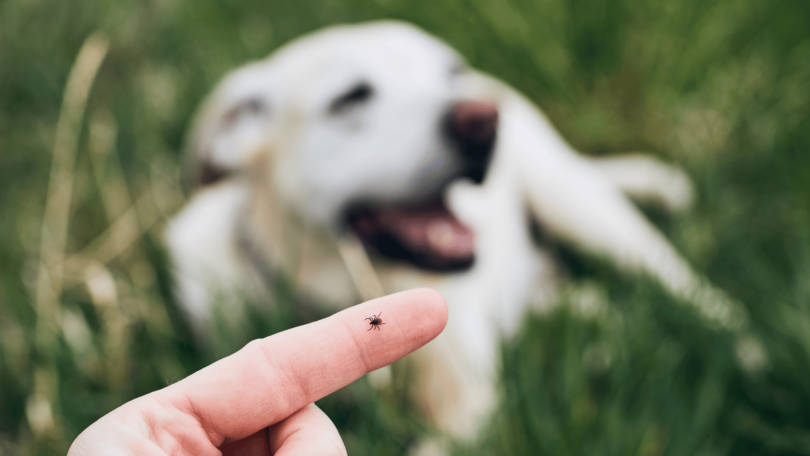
(648, 180)
(574, 200)
(458, 374)
(486, 303)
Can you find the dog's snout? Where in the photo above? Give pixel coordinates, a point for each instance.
(474, 121)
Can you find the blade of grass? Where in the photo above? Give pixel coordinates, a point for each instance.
(55, 221)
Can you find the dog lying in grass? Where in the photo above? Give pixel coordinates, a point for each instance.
(367, 159)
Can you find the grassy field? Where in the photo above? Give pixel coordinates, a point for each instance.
(618, 368)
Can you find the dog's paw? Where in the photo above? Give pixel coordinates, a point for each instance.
(649, 180)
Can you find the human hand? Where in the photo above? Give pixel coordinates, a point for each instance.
(259, 401)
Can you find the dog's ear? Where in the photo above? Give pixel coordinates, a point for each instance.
(230, 128)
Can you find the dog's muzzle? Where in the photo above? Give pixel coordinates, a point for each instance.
(425, 233)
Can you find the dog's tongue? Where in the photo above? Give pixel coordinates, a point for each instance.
(429, 231)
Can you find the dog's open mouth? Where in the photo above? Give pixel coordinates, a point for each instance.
(426, 234)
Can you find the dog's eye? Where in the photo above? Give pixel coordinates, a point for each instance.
(356, 96)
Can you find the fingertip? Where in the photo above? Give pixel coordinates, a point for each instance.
(433, 306)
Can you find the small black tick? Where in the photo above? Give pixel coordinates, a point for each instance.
(375, 322)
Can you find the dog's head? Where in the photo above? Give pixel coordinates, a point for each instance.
(360, 128)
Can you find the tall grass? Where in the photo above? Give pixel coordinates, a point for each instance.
(87, 318)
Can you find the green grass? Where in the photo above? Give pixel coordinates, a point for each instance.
(719, 87)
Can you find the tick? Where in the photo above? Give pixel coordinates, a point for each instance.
(375, 322)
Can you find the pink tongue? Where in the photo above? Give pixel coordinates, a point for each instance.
(440, 233)
(433, 231)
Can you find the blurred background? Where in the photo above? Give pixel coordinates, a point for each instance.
(90, 169)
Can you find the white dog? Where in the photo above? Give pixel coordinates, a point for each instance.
(363, 160)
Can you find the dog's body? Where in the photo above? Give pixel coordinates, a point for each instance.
(373, 138)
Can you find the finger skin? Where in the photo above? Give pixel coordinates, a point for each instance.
(306, 432)
(114, 435)
(270, 379)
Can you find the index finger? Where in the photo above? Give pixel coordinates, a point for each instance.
(271, 378)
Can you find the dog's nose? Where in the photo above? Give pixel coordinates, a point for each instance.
(474, 121)
(473, 126)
